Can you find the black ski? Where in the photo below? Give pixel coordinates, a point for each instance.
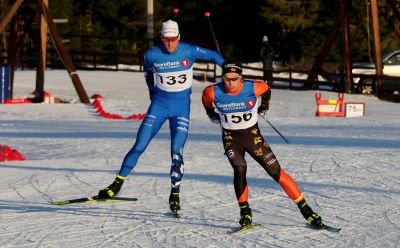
(326, 227)
(243, 228)
(92, 200)
(333, 229)
(254, 226)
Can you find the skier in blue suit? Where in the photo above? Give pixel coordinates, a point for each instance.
(168, 69)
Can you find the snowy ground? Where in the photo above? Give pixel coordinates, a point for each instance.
(348, 169)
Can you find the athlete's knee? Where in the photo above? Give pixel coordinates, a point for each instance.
(239, 172)
(271, 165)
(236, 160)
(182, 124)
(136, 150)
(149, 120)
(139, 149)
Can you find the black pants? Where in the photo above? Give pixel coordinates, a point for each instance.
(236, 144)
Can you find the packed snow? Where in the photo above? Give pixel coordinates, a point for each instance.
(347, 168)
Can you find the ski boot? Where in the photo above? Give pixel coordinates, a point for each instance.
(113, 189)
(245, 214)
(310, 215)
(174, 202)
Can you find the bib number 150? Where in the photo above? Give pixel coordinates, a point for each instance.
(237, 118)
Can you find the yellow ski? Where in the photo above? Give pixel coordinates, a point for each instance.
(92, 199)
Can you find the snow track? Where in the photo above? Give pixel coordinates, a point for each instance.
(347, 169)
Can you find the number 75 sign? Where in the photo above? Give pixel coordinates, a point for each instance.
(354, 109)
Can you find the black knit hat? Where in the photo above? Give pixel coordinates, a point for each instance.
(233, 66)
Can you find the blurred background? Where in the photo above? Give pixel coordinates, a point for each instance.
(295, 28)
(98, 33)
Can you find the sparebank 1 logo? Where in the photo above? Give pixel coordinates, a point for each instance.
(185, 62)
(250, 103)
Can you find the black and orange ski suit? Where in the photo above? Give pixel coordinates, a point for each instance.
(249, 139)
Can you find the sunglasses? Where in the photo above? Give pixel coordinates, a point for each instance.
(170, 39)
(234, 79)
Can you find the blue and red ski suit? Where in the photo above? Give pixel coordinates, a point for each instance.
(169, 77)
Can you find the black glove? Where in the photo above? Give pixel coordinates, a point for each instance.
(214, 117)
(263, 114)
(263, 110)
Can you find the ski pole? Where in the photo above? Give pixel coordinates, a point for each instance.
(276, 130)
(207, 14)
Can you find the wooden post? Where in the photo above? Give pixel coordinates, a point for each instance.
(346, 49)
(10, 14)
(64, 54)
(150, 22)
(12, 46)
(377, 44)
(39, 92)
(319, 60)
(12, 50)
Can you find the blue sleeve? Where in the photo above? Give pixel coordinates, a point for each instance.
(207, 54)
(148, 71)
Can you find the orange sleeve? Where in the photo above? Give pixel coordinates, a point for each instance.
(260, 88)
(208, 96)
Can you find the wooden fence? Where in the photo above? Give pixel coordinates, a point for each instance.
(114, 56)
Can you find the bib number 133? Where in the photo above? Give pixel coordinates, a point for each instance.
(171, 80)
